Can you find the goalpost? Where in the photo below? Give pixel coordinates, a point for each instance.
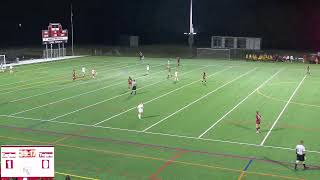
(216, 53)
(2, 59)
(2, 62)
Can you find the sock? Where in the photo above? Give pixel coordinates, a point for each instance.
(139, 116)
(304, 165)
(295, 166)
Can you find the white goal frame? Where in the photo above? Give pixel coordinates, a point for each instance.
(4, 58)
(225, 50)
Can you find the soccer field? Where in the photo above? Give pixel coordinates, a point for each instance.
(188, 130)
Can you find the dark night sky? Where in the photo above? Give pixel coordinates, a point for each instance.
(289, 24)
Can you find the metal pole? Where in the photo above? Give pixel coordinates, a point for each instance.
(72, 31)
(58, 49)
(63, 51)
(50, 50)
(46, 52)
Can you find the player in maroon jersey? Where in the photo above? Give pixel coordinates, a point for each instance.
(258, 121)
(74, 75)
(129, 82)
(178, 61)
(204, 78)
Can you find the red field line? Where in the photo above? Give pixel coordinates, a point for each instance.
(166, 164)
(149, 157)
(100, 139)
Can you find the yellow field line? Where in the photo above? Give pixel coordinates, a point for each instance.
(284, 82)
(241, 175)
(155, 158)
(72, 175)
(38, 82)
(66, 137)
(61, 139)
(280, 100)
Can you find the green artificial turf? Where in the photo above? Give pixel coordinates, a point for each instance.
(188, 131)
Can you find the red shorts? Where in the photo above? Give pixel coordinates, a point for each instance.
(258, 122)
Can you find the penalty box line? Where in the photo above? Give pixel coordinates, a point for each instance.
(78, 95)
(284, 108)
(59, 74)
(197, 100)
(236, 106)
(56, 90)
(161, 134)
(114, 97)
(108, 119)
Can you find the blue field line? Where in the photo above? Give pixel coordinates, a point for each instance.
(248, 165)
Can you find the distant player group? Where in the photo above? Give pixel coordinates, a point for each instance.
(83, 71)
(3, 68)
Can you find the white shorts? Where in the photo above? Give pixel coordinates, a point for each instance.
(140, 111)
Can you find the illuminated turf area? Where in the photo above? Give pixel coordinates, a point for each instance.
(188, 130)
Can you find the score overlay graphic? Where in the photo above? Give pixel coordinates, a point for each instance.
(27, 161)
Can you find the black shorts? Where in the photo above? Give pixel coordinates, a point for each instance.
(134, 88)
(300, 157)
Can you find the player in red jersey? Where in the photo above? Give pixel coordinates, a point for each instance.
(258, 121)
(178, 61)
(129, 82)
(204, 78)
(74, 75)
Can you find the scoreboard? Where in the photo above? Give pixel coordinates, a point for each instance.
(27, 161)
(54, 34)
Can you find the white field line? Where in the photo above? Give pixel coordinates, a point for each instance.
(158, 97)
(111, 66)
(284, 108)
(78, 95)
(117, 63)
(91, 105)
(197, 100)
(48, 92)
(47, 82)
(160, 134)
(236, 106)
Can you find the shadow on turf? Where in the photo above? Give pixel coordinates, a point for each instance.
(35, 125)
(152, 116)
(289, 166)
(243, 127)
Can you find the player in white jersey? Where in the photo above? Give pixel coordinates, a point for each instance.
(140, 110)
(134, 87)
(1, 68)
(11, 69)
(148, 68)
(176, 76)
(301, 153)
(93, 73)
(83, 70)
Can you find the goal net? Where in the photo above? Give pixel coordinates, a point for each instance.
(2, 59)
(213, 53)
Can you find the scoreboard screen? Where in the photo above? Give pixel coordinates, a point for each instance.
(54, 34)
(27, 161)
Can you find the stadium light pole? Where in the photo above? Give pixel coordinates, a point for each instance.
(71, 20)
(191, 32)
